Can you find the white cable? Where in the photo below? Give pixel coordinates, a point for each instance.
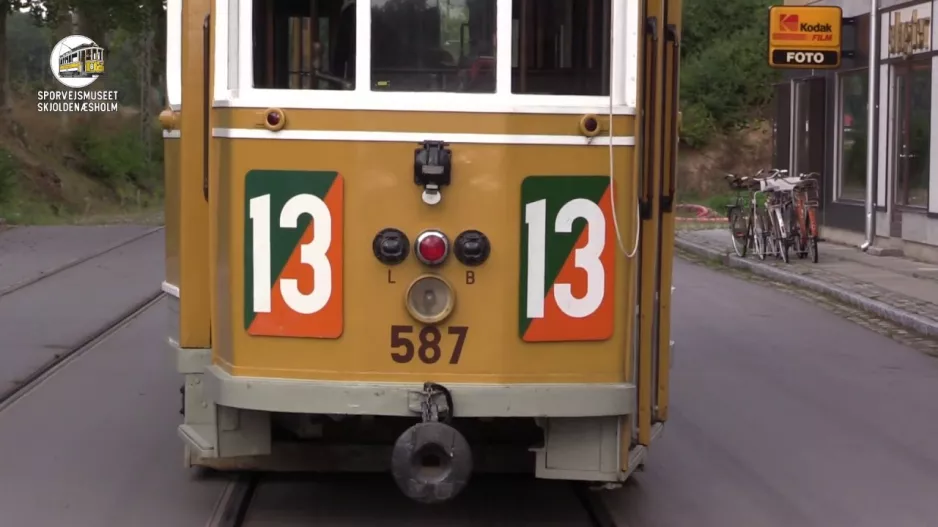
(612, 166)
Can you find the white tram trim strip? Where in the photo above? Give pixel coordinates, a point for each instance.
(417, 137)
(419, 102)
(170, 289)
(397, 398)
(171, 134)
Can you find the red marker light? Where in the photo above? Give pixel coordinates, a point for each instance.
(273, 118)
(432, 247)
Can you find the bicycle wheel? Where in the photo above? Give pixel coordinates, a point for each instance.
(799, 247)
(812, 236)
(759, 236)
(799, 238)
(782, 240)
(781, 244)
(739, 231)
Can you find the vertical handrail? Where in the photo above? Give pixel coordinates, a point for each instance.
(206, 101)
(671, 34)
(648, 165)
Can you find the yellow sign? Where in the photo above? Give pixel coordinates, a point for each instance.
(806, 37)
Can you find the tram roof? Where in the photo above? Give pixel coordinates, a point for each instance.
(85, 46)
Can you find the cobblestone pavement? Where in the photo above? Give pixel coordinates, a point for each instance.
(896, 295)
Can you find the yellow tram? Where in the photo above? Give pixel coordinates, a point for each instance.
(83, 61)
(428, 238)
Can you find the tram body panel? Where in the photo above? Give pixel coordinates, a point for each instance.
(363, 320)
(194, 275)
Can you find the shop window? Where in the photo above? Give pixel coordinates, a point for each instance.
(913, 93)
(433, 45)
(304, 45)
(560, 47)
(854, 104)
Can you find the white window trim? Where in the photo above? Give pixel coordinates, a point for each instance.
(235, 90)
(174, 54)
(838, 137)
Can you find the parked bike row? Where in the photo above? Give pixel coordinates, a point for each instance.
(775, 214)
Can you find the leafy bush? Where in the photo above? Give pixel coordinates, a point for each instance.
(8, 171)
(118, 158)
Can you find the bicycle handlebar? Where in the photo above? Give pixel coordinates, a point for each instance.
(772, 173)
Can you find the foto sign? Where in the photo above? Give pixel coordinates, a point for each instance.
(805, 37)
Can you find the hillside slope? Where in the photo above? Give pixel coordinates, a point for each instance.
(57, 168)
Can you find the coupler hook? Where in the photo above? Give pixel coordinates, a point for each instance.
(431, 461)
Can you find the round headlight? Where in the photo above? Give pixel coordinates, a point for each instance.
(430, 299)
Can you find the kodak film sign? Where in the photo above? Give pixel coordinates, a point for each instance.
(805, 37)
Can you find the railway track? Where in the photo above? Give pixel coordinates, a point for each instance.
(10, 395)
(74, 262)
(73, 343)
(265, 500)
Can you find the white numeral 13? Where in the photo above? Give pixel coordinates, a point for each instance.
(586, 258)
(312, 254)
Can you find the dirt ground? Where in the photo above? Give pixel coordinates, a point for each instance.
(701, 172)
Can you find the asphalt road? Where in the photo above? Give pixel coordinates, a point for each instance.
(95, 445)
(26, 252)
(785, 415)
(49, 317)
(782, 415)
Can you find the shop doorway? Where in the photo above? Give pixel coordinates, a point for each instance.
(808, 119)
(911, 85)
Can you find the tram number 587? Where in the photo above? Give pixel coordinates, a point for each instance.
(427, 344)
(567, 259)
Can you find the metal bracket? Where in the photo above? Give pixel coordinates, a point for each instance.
(434, 403)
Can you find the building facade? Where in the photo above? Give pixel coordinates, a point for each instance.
(821, 126)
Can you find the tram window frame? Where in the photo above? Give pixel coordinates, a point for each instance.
(462, 62)
(174, 54)
(580, 36)
(234, 73)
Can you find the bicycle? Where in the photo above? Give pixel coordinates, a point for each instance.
(739, 215)
(747, 220)
(779, 205)
(806, 197)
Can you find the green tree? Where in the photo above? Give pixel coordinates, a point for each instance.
(6, 8)
(725, 77)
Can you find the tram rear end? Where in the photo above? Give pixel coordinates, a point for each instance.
(420, 245)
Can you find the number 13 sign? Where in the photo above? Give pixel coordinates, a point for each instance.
(567, 259)
(293, 254)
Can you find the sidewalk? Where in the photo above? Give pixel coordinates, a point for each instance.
(897, 289)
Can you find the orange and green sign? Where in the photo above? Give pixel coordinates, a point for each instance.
(293, 253)
(568, 244)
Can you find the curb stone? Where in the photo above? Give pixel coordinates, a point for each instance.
(904, 318)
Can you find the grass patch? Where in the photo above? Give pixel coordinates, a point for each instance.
(716, 202)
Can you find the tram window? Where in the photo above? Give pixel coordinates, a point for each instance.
(307, 45)
(433, 45)
(560, 47)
